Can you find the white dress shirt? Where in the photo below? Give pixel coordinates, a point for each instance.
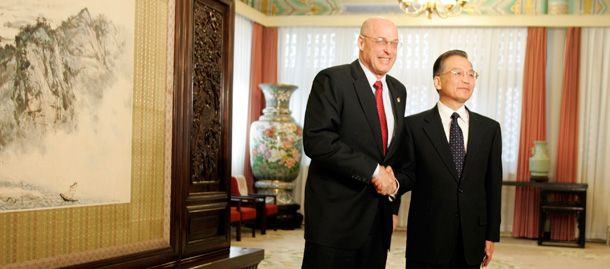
(389, 112)
(463, 120)
(387, 103)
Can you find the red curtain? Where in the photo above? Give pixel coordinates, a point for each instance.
(263, 69)
(533, 128)
(563, 226)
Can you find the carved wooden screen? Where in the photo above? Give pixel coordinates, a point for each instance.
(203, 107)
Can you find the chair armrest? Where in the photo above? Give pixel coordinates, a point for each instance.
(237, 203)
(243, 199)
(258, 195)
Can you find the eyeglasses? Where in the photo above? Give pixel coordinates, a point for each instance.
(459, 72)
(380, 41)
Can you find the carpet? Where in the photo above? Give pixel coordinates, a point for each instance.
(284, 249)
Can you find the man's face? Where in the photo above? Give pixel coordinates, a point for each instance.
(455, 88)
(379, 56)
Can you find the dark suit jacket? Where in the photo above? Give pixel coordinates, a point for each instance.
(439, 200)
(343, 139)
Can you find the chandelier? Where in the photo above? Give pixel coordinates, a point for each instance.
(442, 8)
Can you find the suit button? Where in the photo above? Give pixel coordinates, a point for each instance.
(460, 190)
(457, 215)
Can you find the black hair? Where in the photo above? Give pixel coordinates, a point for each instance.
(438, 64)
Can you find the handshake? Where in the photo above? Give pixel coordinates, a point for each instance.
(385, 181)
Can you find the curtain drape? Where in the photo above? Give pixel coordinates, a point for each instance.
(496, 53)
(241, 89)
(533, 127)
(562, 226)
(263, 69)
(594, 128)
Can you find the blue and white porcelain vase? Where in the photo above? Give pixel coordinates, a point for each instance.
(276, 143)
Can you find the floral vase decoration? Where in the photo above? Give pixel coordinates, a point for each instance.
(540, 163)
(276, 143)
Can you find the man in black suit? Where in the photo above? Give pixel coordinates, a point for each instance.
(453, 167)
(353, 127)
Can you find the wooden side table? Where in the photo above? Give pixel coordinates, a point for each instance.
(548, 206)
(577, 207)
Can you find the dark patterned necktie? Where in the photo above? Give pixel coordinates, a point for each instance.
(456, 143)
(381, 111)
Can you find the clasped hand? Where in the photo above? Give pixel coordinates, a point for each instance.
(385, 181)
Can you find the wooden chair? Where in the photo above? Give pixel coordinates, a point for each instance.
(242, 214)
(265, 210)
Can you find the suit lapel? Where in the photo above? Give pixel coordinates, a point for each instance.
(435, 132)
(398, 108)
(367, 102)
(475, 138)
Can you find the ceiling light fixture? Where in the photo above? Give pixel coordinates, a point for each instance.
(442, 8)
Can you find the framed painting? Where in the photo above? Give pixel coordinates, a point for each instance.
(85, 97)
(66, 99)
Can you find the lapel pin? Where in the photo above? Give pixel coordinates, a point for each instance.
(398, 99)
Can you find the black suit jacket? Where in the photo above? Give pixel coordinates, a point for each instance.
(440, 201)
(342, 136)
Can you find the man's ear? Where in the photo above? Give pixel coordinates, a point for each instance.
(437, 82)
(361, 42)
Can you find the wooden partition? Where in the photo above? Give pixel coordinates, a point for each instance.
(202, 125)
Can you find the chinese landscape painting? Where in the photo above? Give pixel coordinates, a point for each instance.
(66, 90)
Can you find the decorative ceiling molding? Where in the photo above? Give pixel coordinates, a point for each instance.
(473, 7)
(403, 20)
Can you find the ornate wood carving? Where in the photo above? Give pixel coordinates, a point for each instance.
(206, 105)
(208, 56)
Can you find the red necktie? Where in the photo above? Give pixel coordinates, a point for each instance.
(381, 112)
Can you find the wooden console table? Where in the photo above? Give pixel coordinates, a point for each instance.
(548, 206)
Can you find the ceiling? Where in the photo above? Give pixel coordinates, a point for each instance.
(474, 7)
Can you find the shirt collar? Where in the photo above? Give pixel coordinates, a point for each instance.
(370, 77)
(446, 112)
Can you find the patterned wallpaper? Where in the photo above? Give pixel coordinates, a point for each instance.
(474, 7)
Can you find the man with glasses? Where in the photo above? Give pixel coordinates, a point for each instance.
(353, 128)
(453, 167)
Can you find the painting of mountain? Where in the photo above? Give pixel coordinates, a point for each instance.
(66, 89)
